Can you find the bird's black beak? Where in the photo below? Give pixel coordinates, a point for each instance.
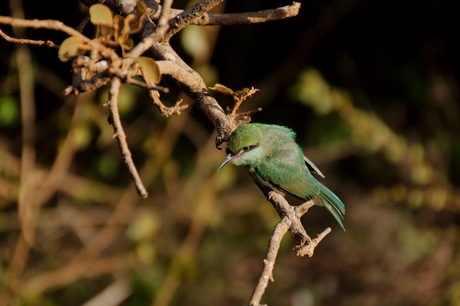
(227, 158)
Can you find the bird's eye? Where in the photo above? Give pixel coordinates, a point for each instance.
(248, 148)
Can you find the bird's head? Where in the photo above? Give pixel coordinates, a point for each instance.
(243, 146)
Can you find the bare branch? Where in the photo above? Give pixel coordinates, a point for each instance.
(42, 24)
(290, 220)
(147, 86)
(275, 14)
(284, 209)
(49, 43)
(120, 135)
(309, 249)
(189, 16)
(269, 262)
(194, 86)
(166, 111)
(210, 19)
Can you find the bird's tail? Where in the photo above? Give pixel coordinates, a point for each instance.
(333, 204)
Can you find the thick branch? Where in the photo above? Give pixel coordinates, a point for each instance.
(194, 86)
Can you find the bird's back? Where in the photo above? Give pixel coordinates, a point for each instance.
(283, 164)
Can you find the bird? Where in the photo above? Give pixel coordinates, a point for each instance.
(274, 159)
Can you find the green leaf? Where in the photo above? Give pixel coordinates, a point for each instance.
(222, 89)
(150, 70)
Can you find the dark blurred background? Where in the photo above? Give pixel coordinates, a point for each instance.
(370, 87)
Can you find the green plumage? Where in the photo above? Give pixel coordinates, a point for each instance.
(274, 158)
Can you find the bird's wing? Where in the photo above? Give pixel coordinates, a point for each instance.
(286, 170)
(312, 166)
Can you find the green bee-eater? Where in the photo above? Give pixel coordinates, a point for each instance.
(275, 160)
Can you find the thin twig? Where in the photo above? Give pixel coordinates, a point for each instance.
(269, 262)
(42, 24)
(290, 220)
(165, 110)
(309, 249)
(49, 43)
(120, 135)
(147, 86)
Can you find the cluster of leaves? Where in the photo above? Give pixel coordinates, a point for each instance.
(112, 31)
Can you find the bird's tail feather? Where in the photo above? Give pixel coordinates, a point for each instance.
(333, 204)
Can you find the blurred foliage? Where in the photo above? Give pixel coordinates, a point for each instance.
(371, 89)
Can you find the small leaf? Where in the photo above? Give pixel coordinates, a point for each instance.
(71, 47)
(150, 70)
(101, 15)
(242, 91)
(222, 89)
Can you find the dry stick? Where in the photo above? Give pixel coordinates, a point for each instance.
(275, 14)
(210, 19)
(188, 16)
(290, 219)
(126, 202)
(269, 262)
(42, 24)
(120, 135)
(279, 231)
(49, 43)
